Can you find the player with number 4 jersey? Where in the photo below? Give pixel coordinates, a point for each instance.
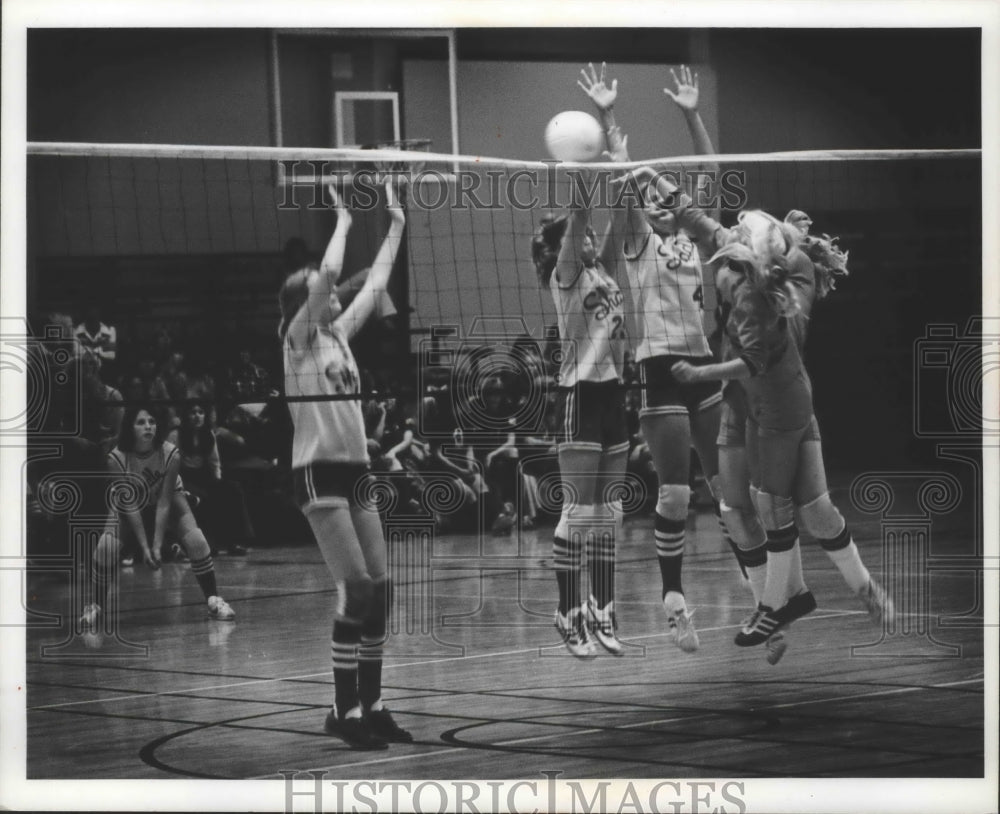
(667, 286)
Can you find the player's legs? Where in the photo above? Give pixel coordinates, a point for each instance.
(103, 568)
(778, 453)
(602, 545)
(821, 518)
(739, 514)
(579, 463)
(333, 528)
(368, 528)
(184, 526)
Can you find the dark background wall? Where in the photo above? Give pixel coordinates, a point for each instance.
(202, 244)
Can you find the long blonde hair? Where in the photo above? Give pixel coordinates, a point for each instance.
(760, 248)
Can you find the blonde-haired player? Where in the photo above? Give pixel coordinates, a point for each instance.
(330, 460)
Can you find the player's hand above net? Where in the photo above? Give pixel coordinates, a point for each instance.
(596, 88)
(686, 95)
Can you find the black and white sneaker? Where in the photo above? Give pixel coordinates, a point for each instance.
(603, 626)
(573, 629)
(355, 732)
(381, 724)
(759, 628)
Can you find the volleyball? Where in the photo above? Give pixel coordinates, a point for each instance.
(574, 136)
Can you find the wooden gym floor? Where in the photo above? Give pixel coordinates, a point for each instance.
(475, 670)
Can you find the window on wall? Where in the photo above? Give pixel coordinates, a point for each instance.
(365, 117)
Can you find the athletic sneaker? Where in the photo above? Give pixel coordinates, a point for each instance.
(877, 602)
(796, 607)
(761, 626)
(602, 624)
(128, 561)
(353, 731)
(574, 634)
(776, 645)
(218, 608)
(91, 613)
(381, 724)
(680, 622)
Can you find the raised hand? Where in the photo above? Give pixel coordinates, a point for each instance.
(595, 87)
(686, 96)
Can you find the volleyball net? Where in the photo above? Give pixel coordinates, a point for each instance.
(196, 241)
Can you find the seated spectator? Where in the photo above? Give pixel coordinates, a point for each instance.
(98, 339)
(102, 412)
(218, 504)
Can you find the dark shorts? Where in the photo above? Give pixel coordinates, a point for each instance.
(592, 416)
(330, 483)
(662, 394)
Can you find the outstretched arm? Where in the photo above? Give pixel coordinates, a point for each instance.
(627, 220)
(363, 305)
(316, 310)
(686, 97)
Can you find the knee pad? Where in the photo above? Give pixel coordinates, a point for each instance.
(776, 512)
(354, 598)
(672, 501)
(821, 518)
(743, 526)
(195, 544)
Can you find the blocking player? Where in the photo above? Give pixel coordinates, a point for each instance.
(593, 435)
(668, 290)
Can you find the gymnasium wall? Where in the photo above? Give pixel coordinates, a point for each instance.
(914, 233)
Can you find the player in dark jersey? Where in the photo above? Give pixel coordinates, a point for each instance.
(329, 464)
(769, 284)
(148, 466)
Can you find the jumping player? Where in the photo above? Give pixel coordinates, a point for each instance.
(142, 453)
(330, 460)
(768, 287)
(593, 436)
(668, 290)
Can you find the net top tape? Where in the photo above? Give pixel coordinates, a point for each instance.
(102, 150)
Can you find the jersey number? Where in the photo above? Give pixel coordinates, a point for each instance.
(699, 297)
(617, 328)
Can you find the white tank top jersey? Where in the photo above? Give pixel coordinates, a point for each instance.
(151, 467)
(666, 284)
(325, 430)
(591, 316)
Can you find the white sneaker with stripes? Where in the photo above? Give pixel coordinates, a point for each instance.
(218, 608)
(680, 622)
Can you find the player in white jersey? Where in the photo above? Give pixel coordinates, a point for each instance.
(154, 506)
(668, 292)
(329, 464)
(593, 436)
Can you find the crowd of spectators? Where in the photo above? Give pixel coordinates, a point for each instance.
(484, 430)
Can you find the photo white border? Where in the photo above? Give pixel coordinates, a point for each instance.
(796, 795)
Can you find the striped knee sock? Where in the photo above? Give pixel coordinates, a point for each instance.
(344, 653)
(204, 572)
(669, 536)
